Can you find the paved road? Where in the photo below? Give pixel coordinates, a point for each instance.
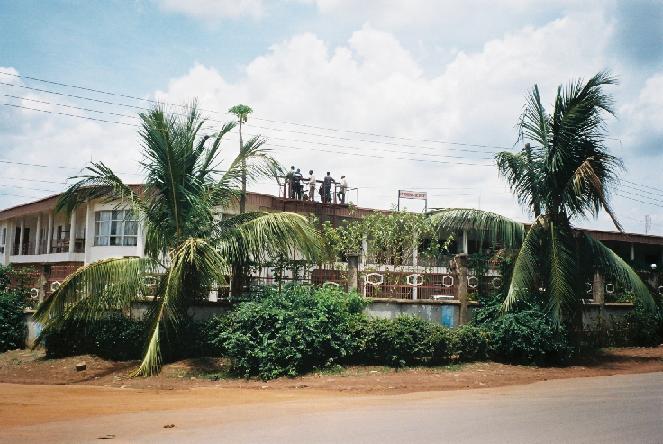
(612, 409)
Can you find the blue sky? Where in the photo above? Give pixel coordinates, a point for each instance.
(420, 70)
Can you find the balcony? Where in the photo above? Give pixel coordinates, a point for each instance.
(59, 252)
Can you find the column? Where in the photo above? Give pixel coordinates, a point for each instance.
(364, 249)
(460, 268)
(9, 241)
(72, 231)
(464, 242)
(632, 252)
(598, 288)
(49, 232)
(353, 272)
(415, 263)
(20, 237)
(38, 234)
(89, 232)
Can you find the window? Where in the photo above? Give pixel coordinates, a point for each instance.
(116, 227)
(3, 239)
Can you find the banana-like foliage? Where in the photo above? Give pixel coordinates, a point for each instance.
(565, 173)
(186, 247)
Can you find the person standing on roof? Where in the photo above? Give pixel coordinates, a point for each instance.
(342, 189)
(311, 186)
(326, 188)
(288, 183)
(297, 184)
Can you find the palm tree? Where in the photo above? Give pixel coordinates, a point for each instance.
(565, 176)
(242, 113)
(187, 250)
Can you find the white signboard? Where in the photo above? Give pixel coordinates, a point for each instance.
(419, 195)
(403, 194)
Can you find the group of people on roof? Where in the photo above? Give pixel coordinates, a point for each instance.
(295, 186)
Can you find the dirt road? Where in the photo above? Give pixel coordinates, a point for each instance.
(626, 408)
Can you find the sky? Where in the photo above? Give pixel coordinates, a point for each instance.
(416, 95)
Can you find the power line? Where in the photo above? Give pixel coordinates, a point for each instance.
(256, 126)
(637, 200)
(271, 144)
(660, 191)
(99, 91)
(364, 133)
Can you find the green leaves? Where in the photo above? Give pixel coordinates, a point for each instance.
(185, 246)
(496, 227)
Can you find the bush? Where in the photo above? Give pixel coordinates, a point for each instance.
(644, 325)
(116, 337)
(527, 337)
(12, 322)
(469, 343)
(119, 338)
(289, 332)
(405, 340)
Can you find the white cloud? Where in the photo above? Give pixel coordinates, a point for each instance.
(212, 10)
(374, 84)
(58, 141)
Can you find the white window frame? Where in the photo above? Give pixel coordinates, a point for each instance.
(110, 228)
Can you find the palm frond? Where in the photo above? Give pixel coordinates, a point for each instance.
(563, 271)
(613, 267)
(525, 268)
(254, 162)
(495, 226)
(196, 266)
(101, 183)
(95, 289)
(256, 236)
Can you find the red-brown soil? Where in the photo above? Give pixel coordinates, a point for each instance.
(34, 389)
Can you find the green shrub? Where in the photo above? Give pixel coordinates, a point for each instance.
(527, 337)
(119, 338)
(469, 343)
(289, 332)
(12, 321)
(404, 340)
(116, 337)
(644, 325)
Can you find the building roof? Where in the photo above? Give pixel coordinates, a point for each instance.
(269, 202)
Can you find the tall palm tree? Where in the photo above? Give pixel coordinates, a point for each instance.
(566, 175)
(242, 113)
(187, 250)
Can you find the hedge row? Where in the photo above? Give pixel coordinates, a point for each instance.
(300, 329)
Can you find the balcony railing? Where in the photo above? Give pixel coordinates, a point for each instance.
(57, 246)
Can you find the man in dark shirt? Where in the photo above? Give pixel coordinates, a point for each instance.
(289, 183)
(326, 187)
(297, 184)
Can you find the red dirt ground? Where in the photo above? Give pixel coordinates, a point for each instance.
(34, 390)
(31, 367)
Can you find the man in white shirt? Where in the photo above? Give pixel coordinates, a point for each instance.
(342, 189)
(311, 186)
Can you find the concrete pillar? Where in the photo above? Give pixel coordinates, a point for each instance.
(415, 263)
(72, 231)
(460, 275)
(464, 243)
(598, 288)
(20, 237)
(9, 241)
(353, 272)
(632, 252)
(38, 234)
(364, 249)
(89, 232)
(49, 232)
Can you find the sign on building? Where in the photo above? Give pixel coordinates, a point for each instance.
(417, 195)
